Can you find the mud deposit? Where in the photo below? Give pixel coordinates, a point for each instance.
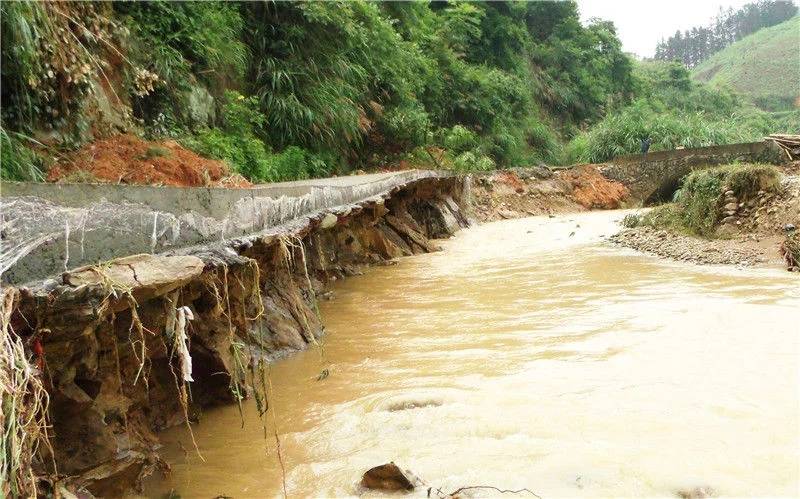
(530, 353)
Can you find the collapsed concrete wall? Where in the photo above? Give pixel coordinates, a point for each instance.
(112, 341)
(655, 176)
(48, 228)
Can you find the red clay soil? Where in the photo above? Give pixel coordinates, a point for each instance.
(592, 190)
(512, 180)
(126, 159)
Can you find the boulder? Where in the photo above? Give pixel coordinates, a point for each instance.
(199, 106)
(387, 477)
(328, 221)
(145, 276)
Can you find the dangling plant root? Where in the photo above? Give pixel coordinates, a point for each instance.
(118, 291)
(23, 414)
(260, 375)
(286, 245)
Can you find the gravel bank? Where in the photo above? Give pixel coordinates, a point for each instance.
(747, 251)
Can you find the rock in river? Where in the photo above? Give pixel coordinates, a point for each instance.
(387, 477)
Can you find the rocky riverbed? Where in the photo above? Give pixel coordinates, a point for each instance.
(744, 250)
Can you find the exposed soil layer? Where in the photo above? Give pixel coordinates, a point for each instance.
(592, 190)
(110, 339)
(127, 159)
(523, 192)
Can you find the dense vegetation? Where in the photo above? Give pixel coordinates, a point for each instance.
(697, 44)
(765, 67)
(674, 111)
(283, 90)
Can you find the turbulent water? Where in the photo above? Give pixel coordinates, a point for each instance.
(528, 354)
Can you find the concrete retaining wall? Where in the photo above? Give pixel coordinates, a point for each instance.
(48, 228)
(655, 176)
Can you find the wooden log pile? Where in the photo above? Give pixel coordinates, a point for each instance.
(789, 143)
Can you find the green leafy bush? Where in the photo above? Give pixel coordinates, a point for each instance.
(238, 144)
(236, 141)
(673, 111)
(407, 126)
(470, 161)
(700, 200)
(187, 45)
(460, 139)
(746, 180)
(665, 216)
(317, 65)
(297, 163)
(631, 220)
(542, 140)
(180, 39)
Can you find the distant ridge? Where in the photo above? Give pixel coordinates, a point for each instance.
(764, 66)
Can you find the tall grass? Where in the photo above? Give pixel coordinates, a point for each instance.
(18, 162)
(622, 132)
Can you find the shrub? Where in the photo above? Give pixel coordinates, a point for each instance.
(297, 163)
(460, 139)
(664, 216)
(179, 39)
(469, 161)
(542, 141)
(184, 46)
(246, 155)
(407, 126)
(746, 180)
(631, 220)
(237, 143)
(698, 202)
(700, 199)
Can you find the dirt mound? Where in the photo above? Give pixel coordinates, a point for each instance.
(591, 189)
(520, 193)
(126, 159)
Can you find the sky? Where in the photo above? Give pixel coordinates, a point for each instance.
(642, 23)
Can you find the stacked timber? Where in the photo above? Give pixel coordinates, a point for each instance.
(789, 143)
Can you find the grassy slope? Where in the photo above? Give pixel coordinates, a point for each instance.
(764, 66)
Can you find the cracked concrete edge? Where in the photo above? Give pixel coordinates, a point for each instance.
(114, 221)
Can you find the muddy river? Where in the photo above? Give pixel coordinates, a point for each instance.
(527, 354)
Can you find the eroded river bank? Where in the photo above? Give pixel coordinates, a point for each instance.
(529, 353)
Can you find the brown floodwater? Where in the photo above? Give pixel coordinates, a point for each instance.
(523, 356)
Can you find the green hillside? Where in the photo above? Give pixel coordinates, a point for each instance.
(764, 66)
